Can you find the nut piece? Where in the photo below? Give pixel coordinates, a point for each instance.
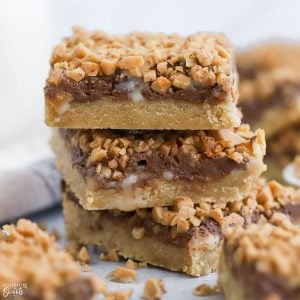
(97, 155)
(131, 62)
(154, 289)
(206, 290)
(161, 85)
(123, 275)
(83, 255)
(182, 225)
(149, 75)
(90, 68)
(217, 215)
(109, 66)
(76, 74)
(181, 81)
(182, 202)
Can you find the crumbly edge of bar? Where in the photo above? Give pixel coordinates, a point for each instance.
(160, 60)
(110, 151)
(285, 145)
(272, 248)
(265, 199)
(25, 250)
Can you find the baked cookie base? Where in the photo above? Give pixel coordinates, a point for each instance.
(233, 187)
(78, 223)
(146, 114)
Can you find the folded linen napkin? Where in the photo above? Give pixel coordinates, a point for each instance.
(29, 189)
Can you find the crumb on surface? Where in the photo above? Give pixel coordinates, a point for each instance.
(206, 290)
(124, 294)
(84, 256)
(85, 268)
(154, 289)
(123, 275)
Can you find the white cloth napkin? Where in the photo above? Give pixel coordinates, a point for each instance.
(29, 189)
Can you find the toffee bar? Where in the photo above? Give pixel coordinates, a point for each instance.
(262, 261)
(142, 81)
(33, 265)
(127, 170)
(270, 86)
(186, 237)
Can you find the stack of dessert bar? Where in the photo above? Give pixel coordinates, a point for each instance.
(270, 99)
(149, 141)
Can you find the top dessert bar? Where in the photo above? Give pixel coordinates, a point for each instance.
(270, 85)
(142, 81)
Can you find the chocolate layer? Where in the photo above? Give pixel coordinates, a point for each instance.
(182, 166)
(115, 87)
(258, 285)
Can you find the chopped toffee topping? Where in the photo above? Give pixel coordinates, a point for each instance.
(90, 65)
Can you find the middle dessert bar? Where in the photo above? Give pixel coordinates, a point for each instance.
(127, 170)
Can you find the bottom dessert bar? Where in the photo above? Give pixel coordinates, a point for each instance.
(185, 237)
(261, 261)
